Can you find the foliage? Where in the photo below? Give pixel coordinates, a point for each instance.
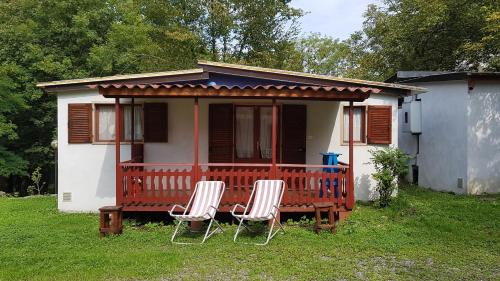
(55, 40)
(422, 235)
(36, 178)
(441, 35)
(390, 165)
(324, 55)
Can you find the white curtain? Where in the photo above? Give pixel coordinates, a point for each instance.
(266, 126)
(106, 122)
(357, 116)
(127, 118)
(244, 132)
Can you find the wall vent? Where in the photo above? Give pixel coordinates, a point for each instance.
(66, 196)
(460, 183)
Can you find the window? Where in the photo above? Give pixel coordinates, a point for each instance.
(106, 127)
(127, 122)
(358, 124)
(253, 133)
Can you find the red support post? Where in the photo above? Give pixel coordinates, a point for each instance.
(274, 136)
(196, 140)
(119, 188)
(196, 225)
(350, 189)
(132, 126)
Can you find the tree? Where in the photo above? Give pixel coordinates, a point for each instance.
(430, 35)
(324, 55)
(55, 40)
(444, 35)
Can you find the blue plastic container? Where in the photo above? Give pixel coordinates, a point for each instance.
(330, 158)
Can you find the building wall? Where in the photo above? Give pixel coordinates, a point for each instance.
(483, 138)
(88, 170)
(364, 184)
(442, 157)
(407, 142)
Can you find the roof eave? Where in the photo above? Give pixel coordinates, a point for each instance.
(76, 84)
(292, 76)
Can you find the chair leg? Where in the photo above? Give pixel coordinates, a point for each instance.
(238, 229)
(208, 233)
(270, 235)
(205, 237)
(175, 232)
(208, 230)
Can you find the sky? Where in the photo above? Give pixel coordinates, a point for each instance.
(335, 18)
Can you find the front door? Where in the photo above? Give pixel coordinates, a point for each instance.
(293, 134)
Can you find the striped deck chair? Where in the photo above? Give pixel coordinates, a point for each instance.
(266, 197)
(202, 206)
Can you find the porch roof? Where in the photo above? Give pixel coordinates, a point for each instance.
(224, 91)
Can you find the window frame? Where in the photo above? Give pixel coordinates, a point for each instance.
(96, 124)
(363, 128)
(256, 134)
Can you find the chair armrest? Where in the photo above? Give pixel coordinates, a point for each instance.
(276, 207)
(236, 206)
(171, 212)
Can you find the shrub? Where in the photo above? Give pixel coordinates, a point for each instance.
(391, 164)
(36, 178)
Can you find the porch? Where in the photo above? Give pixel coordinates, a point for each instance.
(157, 186)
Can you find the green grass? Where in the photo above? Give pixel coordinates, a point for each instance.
(423, 235)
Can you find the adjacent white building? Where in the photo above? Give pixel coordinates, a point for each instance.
(452, 130)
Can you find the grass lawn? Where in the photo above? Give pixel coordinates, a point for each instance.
(424, 235)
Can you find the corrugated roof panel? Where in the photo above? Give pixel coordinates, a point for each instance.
(258, 87)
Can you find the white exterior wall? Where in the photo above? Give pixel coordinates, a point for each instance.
(407, 142)
(88, 170)
(85, 170)
(364, 185)
(483, 138)
(442, 158)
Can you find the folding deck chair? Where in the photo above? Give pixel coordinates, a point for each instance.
(202, 206)
(266, 197)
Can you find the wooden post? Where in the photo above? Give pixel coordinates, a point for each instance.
(274, 171)
(196, 225)
(350, 190)
(196, 139)
(274, 136)
(119, 188)
(132, 125)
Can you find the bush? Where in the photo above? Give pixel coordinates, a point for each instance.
(391, 164)
(36, 178)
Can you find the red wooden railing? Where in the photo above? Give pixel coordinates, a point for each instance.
(167, 184)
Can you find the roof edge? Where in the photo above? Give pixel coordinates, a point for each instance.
(118, 77)
(310, 75)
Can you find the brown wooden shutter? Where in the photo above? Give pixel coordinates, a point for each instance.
(80, 123)
(155, 122)
(220, 133)
(379, 124)
(293, 133)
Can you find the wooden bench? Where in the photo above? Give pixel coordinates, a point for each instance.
(110, 220)
(328, 207)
